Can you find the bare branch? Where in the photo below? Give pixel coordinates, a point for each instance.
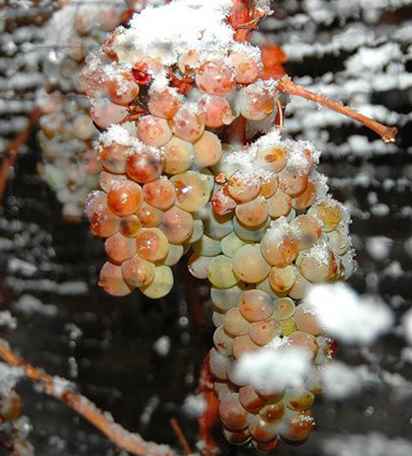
(58, 388)
(388, 134)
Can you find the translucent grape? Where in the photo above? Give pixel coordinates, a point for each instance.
(105, 113)
(242, 188)
(256, 305)
(279, 253)
(122, 89)
(284, 309)
(250, 234)
(152, 244)
(298, 428)
(188, 124)
(292, 182)
(308, 230)
(303, 340)
(111, 280)
(261, 430)
(255, 102)
(215, 226)
(300, 287)
(208, 150)
(217, 318)
(177, 225)
(103, 222)
(230, 244)
(125, 198)
(262, 332)
(249, 264)
(164, 103)
(329, 212)
(269, 186)
(138, 272)
(279, 204)
(160, 193)
(282, 279)
(192, 190)
(174, 255)
(253, 213)
(237, 437)
(199, 266)
(339, 241)
(307, 321)
(217, 111)
(287, 326)
(273, 412)
(215, 78)
(318, 268)
(153, 131)
(119, 248)
(113, 158)
(143, 167)
(161, 284)
(299, 399)
(197, 232)
(273, 158)
(234, 324)
(221, 273)
(178, 156)
(149, 216)
(306, 198)
(225, 299)
(246, 68)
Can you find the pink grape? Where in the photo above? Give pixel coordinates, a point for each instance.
(153, 131)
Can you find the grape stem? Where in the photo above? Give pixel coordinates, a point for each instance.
(181, 437)
(13, 150)
(286, 85)
(61, 389)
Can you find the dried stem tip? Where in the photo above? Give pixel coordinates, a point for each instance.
(388, 134)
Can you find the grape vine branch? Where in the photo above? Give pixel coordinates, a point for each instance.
(123, 439)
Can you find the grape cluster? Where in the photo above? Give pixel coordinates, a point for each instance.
(191, 160)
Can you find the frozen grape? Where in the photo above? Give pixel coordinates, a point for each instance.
(230, 244)
(279, 252)
(111, 280)
(207, 246)
(219, 364)
(253, 213)
(217, 111)
(255, 102)
(261, 430)
(284, 309)
(303, 340)
(243, 188)
(225, 299)
(242, 345)
(177, 225)
(153, 131)
(161, 284)
(221, 272)
(160, 193)
(306, 198)
(143, 166)
(215, 78)
(222, 203)
(108, 180)
(119, 248)
(149, 216)
(178, 156)
(256, 305)
(282, 279)
(164, 103)
(273, 158)
(307, 321)
(188, 124)
(262, 332)
(299, 399)
(273, 412)
(279, 204)
(113, 158)
(245, 66)
(308, 230)
(234, 324)
(192, 190)
(152, 244)
(249, 264)
(250, 400)
(329, 212)
(199, 266)
(208, 150)
(292, 183)
(138, 272)
(125, 198)
(223, 342)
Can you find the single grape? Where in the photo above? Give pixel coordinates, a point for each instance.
(249, 264)
(225, 298)
(299, 399)
(113, 158)
(177, 225)
(138, 272)
(261, 430)
(250, 400)
(253, 213)
(108, 180)
(192, 190)
(105, 113)
(273, 412)
(230, 244)
(221, 272)
(243, 188)
(262, 332)
(306, 198)
(125, 198)
(246, 67)
(282, 279)
(219, 364)
(208, 150)
(300, 287)
(152, 244)
(273, 158)
(284, 309)
(292, 182)
(143, 166)
(269, 186)
(255, 102)
(308, 230)
(330, 212)
(215, 78)
(207, 246)
(234, 324)
(279, 204)
(160, 193)
(119, 248)
(199, 266)
(164, 103)
(188, 124)
(111, 280)
(303, 340)
(223, 342)
(122, 88)
(256, 305)
(250, 234)
(161, 284)
(217, 111)
(307, 321)
(279, 250)
(153, 131)
(222, 204)
(178, 156)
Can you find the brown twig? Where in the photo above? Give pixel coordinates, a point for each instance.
(388, 134)
(181, 437)
(13, 150)
(60, 389)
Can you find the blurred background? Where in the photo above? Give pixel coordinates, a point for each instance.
(140, 359)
